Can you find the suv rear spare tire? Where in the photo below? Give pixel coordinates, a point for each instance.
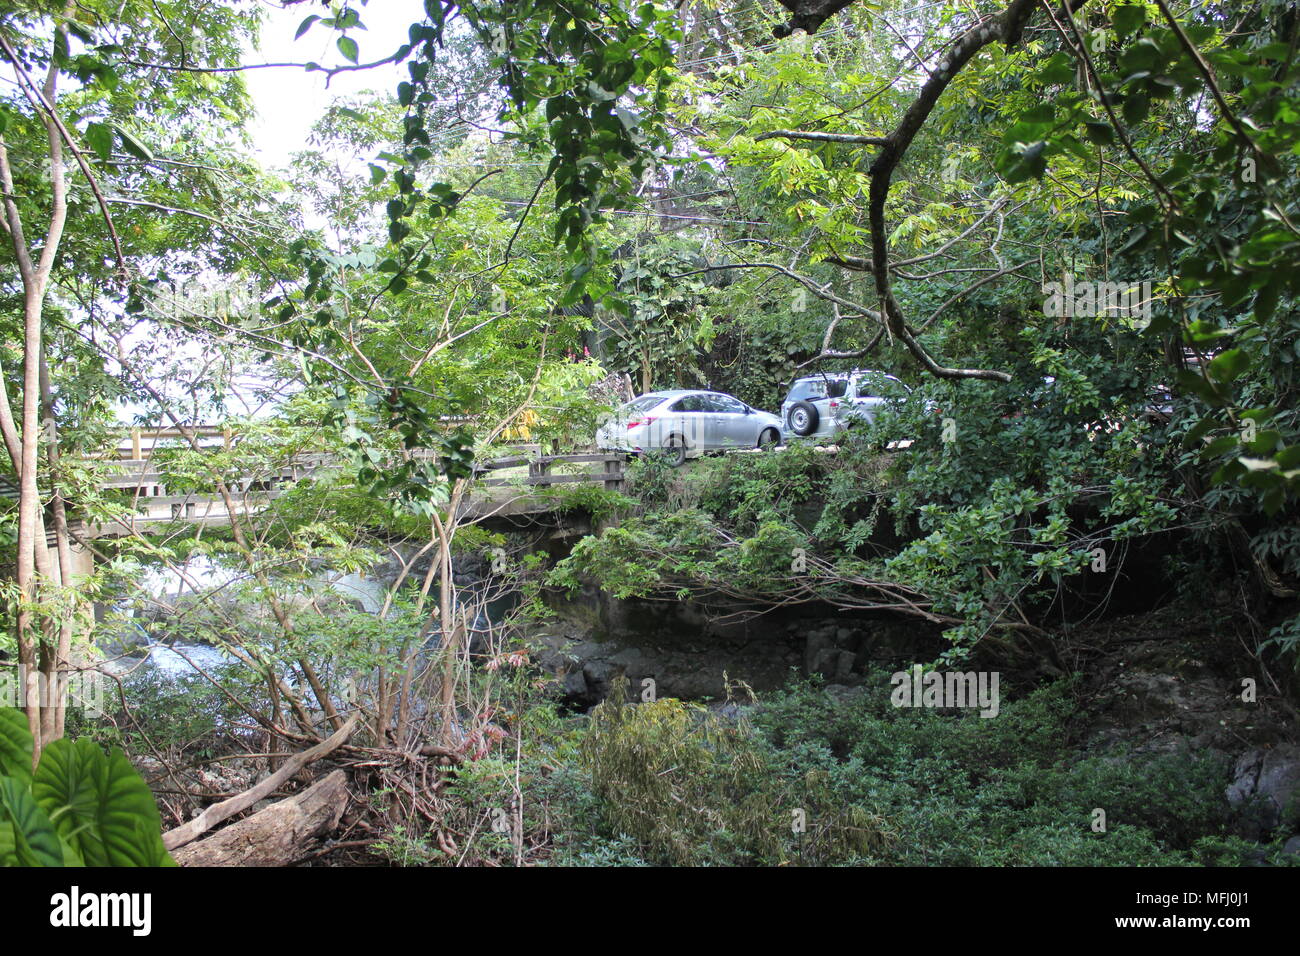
(803, 418)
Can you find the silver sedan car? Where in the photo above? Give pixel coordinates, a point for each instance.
(684, 423)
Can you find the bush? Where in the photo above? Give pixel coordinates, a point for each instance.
(679, 782)
(689, 787)
(965, 791)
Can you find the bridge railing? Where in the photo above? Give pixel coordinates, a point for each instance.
(150, 483)
(542, 470)
(133, 443)
(155, 502)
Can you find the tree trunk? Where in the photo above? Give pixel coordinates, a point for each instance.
(277, 835)
(58, 656)
(34, 566)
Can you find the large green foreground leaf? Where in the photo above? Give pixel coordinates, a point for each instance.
(15, 745)
(27, 837)
(81, 807)
(99, 805)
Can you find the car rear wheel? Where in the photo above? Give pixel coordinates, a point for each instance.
(674, 451)
(803, 418)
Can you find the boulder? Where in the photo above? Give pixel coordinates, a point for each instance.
(1265, 789)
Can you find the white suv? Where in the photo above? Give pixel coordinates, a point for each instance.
(823, 405)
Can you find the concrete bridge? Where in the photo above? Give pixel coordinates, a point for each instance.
(504, 487)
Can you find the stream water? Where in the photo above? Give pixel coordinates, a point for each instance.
(149, 645)
(155, 644)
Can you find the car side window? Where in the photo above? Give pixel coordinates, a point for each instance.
(725, 403)
(880, 386)
(688, 403)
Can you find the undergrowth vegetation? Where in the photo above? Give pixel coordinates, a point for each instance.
(805, 778)
(813, 780)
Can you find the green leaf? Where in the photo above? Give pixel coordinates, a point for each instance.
(1266, 300)
(1227, 366)
(15, 744)
(78, 31)
(1057, 70)
(305, 26)
(1127, 18)
(1198, 431)
(133, 145)
(1190, 381)
(1019, 164)
(348, 47)
(108, 78)
(1099, 132)
(1136, 107)
(100, 804)
(31, 834)
(99, 137)
(1220, 445)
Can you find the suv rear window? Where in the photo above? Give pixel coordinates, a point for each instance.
(814, 388)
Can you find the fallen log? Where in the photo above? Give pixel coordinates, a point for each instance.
(226, 809)
(276, 835)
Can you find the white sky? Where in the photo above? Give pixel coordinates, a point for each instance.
(289, 100)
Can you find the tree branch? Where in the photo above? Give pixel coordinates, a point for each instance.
(823, 137)
(1006, 28)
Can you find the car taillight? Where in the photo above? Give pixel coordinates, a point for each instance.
(834, 404)
(640, 421)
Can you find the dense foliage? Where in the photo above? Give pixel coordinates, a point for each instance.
(1070, 231)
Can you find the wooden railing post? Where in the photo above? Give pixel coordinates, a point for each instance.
(540, 468)
(135, 445)
(614, 473)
